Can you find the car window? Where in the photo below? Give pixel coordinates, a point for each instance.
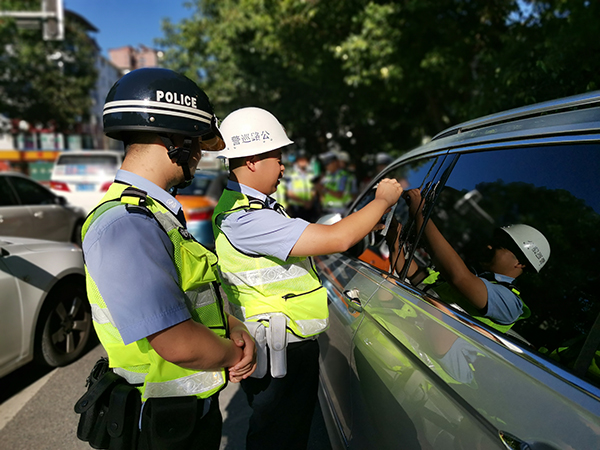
(423, 173)
(554, 190)
(7, 196)
(31, 193)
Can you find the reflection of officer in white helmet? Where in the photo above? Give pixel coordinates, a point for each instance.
(151, 284)
(491, 296)
(269, 277)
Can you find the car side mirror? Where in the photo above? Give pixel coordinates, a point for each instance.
(60, 200)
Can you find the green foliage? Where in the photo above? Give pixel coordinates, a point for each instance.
(45, 81)
(381, 75)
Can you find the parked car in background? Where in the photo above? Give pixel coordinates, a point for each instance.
(401, 368)
(198, 202)
(29, 209)
(45, 312)
(84, 176)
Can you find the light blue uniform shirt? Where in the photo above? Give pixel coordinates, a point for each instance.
(503, 305)
(130, 259)
(262, 232)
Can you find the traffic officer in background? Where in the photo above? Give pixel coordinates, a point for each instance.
(155, 302)
(335, 186)
(270, 279)
(301, 193)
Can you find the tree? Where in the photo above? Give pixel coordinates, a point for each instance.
(381, 75)
(47, 82)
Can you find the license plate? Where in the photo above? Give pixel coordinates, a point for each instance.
(85, 187)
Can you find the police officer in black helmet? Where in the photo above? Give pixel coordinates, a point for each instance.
(156, 306)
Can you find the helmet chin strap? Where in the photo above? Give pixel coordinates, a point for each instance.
(181, 155)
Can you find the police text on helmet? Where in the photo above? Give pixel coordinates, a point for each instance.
(174, 97)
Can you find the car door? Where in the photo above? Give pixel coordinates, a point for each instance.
(50, 220)
(15, 218)
(350, 283)
(431, 376)
(11, 321)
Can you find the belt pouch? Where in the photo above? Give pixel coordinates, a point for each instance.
(123, 417)
(168, 423)
(93, 407)
(109, 410)
(278, 344)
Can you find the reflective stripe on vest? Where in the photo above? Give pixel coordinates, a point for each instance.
(258, 286)
(138, 362)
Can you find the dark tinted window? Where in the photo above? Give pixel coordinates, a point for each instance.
(7, 197)
(31, 193)
(555, 190)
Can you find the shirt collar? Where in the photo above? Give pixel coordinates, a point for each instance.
(504, 278)
(150, 188)
(250, 192)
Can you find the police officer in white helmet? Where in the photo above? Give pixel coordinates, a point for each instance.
(270, 279)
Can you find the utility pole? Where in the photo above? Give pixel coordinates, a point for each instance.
(50, 19)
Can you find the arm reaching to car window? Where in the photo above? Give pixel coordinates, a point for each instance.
(318, 239)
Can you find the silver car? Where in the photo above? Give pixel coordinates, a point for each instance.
(29, 209)
(404, 369)
(45, 311)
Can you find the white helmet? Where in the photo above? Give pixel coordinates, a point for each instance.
(531, 242)
(251, 131)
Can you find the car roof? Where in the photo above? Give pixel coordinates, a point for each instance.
(554, 120)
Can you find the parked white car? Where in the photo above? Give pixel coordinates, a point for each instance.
(83, 176)
(29, 209)
(45, 311)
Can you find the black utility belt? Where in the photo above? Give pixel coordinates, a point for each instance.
(109, 410)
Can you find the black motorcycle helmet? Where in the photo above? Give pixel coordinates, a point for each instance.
(164, 102)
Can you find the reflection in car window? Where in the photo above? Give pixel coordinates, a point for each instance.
(31, 193)
(555, 190)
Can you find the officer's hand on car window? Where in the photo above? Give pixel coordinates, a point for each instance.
(389, 190)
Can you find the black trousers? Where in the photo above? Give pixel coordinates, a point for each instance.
(282, 408)
(177, 423)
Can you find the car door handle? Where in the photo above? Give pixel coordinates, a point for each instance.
(38, 214)
(1, 219)
(513, 443)
(352, 295)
